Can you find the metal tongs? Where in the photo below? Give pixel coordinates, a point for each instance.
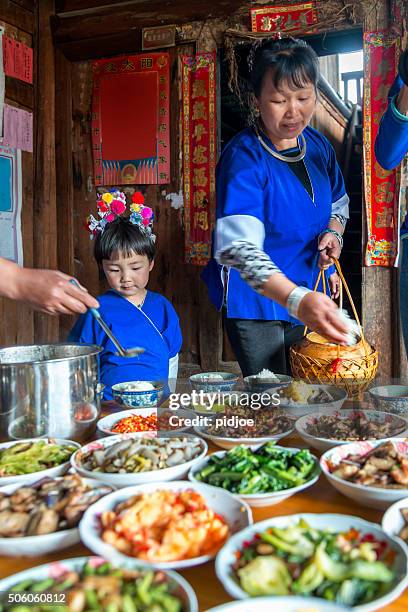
(122, 352)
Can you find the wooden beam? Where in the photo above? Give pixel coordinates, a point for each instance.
(64, 174)
(20, 92)
(17, 16)
(90, 48)
(147, 13)
(45, 217)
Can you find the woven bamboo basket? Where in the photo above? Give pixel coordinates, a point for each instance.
(315, 360)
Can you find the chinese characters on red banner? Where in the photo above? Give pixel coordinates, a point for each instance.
(17, 59)
(284, 18)
(199, 154)
(381, 187)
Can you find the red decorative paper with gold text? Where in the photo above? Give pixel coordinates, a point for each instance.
(381, 187)
(199, 154)
(284, 18)
(130, 120)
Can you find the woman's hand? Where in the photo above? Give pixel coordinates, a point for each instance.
(319, 313)
(329, 248)
(334, 285)
(50, 291)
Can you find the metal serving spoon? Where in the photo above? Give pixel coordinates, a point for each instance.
(122, 352)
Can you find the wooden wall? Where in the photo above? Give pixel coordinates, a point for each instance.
(20, 21)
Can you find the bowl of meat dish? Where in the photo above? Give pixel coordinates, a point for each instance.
(374, 474)
(324, 429)
(340, 558)
(245, 425)
(91, 583)
(390, 398)
(129, 459)
(395, 520)
(300, 398)
(169, 525)
(43, 516)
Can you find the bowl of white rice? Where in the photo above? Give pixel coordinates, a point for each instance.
(210, 382)
(265, 380)
(138, 393)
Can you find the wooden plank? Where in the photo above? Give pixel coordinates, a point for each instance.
(20, 92)
(90, 48)
(64, 174)
(121, 20)
(45, 217)
(17, 16)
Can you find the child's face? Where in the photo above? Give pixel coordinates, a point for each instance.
(127, 275)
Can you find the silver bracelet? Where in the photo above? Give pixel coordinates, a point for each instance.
(294, 299)
(334, 232)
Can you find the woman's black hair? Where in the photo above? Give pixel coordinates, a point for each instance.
(291, 60)
(122, 236)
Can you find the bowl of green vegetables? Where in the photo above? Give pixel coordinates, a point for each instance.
(260, 476)
(339, 558)
(90, 583)
(28, 460)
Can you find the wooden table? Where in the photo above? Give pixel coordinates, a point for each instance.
(322, 497)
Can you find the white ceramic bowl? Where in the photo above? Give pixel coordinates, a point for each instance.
(21, 479)
(258, 384)
(393, 521)
(127, 480)
(55, 569)
(390, 398)
(324, 444)
(138, 399)
(33, 546)
(374, 497)
(236, 513)
(338, 522)
(108, 422)
(281, 604)
(298, 410)
(259, 500)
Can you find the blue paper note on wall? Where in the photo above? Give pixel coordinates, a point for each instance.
(6, 201)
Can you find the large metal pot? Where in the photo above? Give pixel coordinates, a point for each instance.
(49, 390)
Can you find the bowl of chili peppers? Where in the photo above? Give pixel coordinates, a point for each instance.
(145, 420)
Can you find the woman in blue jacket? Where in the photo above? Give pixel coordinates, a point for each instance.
(280, 200)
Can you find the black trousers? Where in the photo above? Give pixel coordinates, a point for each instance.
(260, 344)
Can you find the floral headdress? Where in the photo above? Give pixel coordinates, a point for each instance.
(112, 205)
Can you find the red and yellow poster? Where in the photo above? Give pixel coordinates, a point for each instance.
(381, 187)
(199, 154)
(130, 120)
(284, 18)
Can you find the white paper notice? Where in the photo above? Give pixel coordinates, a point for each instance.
(11, 243)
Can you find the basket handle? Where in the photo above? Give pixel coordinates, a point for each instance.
(343, 283)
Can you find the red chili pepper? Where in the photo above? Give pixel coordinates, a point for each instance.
(336, 365)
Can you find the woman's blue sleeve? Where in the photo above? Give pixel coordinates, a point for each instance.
(391, 144)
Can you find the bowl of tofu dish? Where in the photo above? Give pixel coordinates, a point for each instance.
(372, 473)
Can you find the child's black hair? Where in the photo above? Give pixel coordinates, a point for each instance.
(122, 236)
